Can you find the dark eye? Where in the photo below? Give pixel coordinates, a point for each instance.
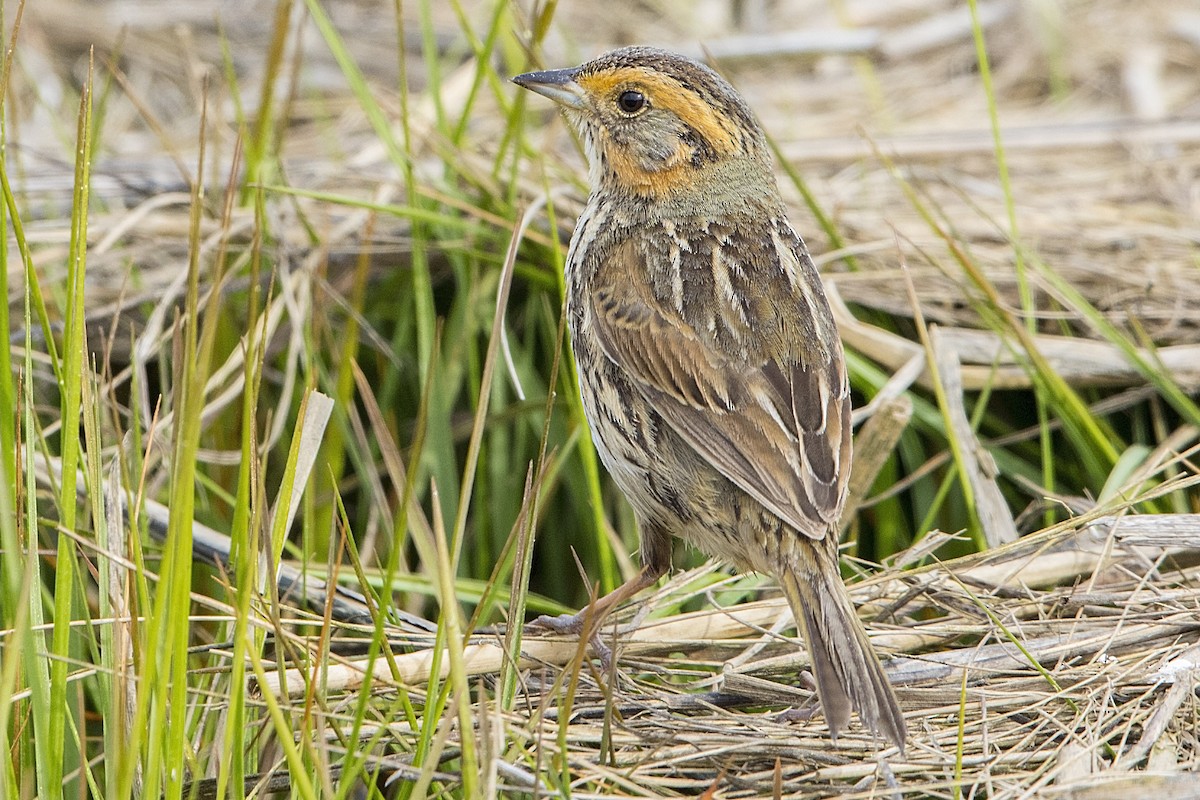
(631, 102)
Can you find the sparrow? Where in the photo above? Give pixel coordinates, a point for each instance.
(711, 372)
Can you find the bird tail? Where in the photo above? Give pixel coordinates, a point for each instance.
(849, 675)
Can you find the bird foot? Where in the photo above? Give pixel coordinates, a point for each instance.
(573, 625)
(565, 624)
(805, 713)
(798, 714)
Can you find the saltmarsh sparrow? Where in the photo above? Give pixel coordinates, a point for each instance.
(710, 366)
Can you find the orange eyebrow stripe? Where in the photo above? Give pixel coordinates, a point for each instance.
(666, 93)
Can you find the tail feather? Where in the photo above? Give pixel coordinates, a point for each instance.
(848, 673)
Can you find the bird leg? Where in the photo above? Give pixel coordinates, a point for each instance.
(656, 561)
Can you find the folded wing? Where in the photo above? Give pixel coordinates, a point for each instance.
(751, 376)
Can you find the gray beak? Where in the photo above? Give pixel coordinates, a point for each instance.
(557, 84)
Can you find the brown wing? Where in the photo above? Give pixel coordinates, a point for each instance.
(741, 358)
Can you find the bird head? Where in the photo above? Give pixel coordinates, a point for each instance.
(657, 124)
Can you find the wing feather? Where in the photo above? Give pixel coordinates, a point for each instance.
(757, 388)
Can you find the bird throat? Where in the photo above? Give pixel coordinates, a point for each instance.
(729, 185)
(668, 178)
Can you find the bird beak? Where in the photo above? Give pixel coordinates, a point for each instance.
(557, 84)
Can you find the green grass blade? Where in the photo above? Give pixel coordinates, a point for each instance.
(71, 382)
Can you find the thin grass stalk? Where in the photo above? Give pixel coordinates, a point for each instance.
(409, 518)
(19, 573)
(937, 502)
(402, 77)
(363, 707)
(165, 680)
(333, 447)
(566, 701)
(483, 71)
(494, 592)
(958, 447)
(33, 285)
(212, 322)
(317, 713)
(518, 591)
(431, 737)
(1010, 205)
(474, 444)
(433, 67)
(18, 627)
(237, 759)
(507, 166)
(437, 691)
(524, 559)
(451, 219)
(70, 393)
(111, 652)
(1024, 291)
(14, 613)
(33, 289)
(407, 515)
(35, 658)
(960, 738)
(261, 136)
(451, 621)
(130, 765)
(8, 391)
(297, 769)
(441, 457)
(439, 734)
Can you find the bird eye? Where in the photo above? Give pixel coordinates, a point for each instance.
(631, 102)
